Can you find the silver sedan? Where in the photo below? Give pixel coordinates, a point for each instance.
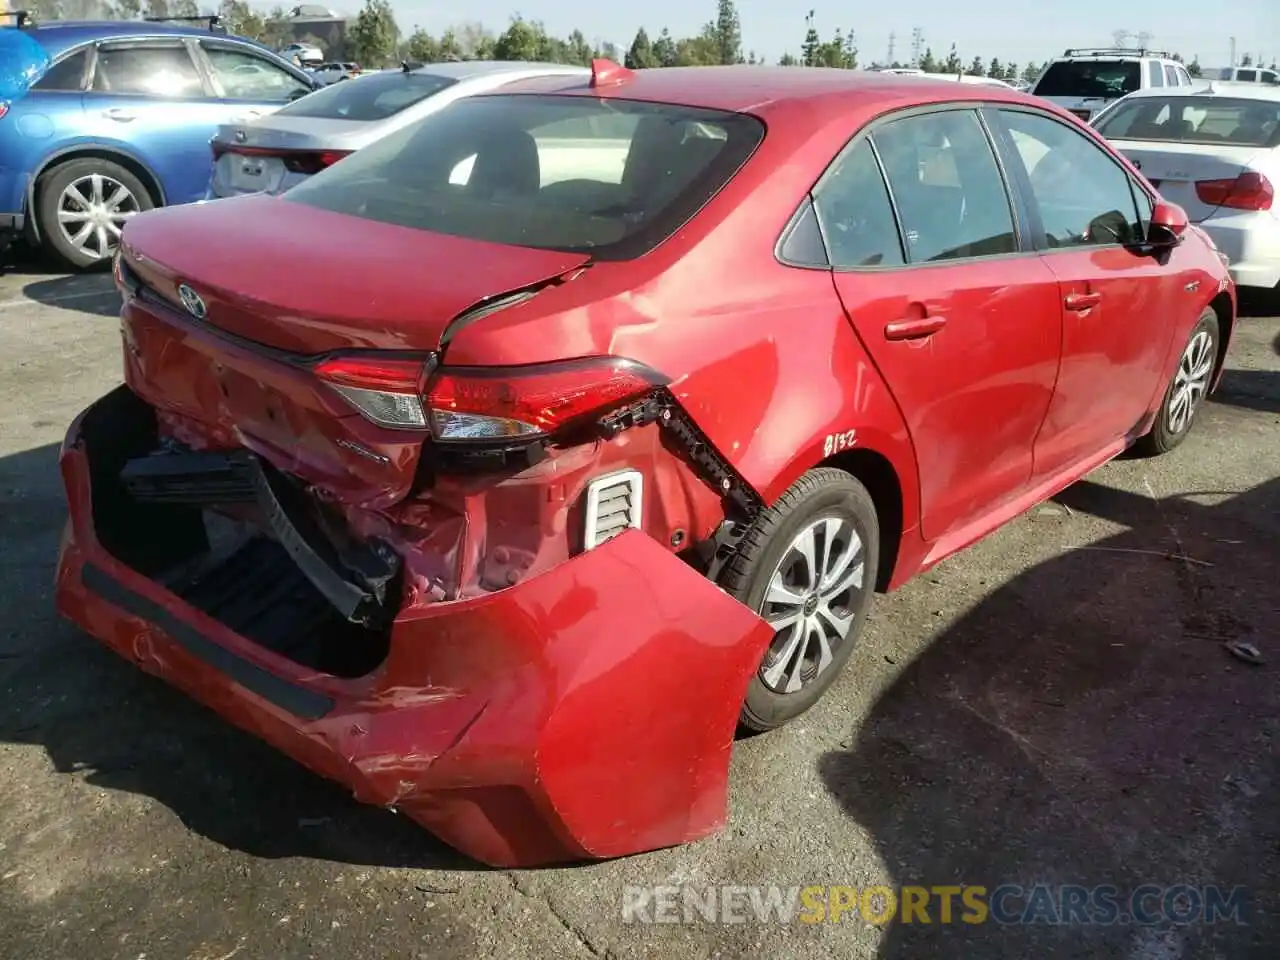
(274, 152)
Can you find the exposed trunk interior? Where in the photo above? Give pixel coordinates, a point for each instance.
(222, 561)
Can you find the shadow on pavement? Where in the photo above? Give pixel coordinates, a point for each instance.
(1250, 389)
(101, 719)
(1085, 724)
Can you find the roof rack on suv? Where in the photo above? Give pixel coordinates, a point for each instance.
(23, 17)
(1122, 51)
(214, 20)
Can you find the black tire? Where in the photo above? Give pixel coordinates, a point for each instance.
(821, 493)
(1169, 429)
(48, 197)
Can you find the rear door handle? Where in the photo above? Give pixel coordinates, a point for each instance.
(1082, 301)
(119, 113)
(913, 329)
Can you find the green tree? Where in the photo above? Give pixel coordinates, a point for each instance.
(1246, 60)
(276, 32)
(128, 9)
(700, 51)
(728, 32)
(812, 45)
(851, 51)
(184, 8)
(1194, 67)
(578, 50)
(450, 46)
(927, 63)
(156, 8)
(664, 49)
(641, 55)
(953, 63)
(1032, 72)
(996, 69)
(240, 19)
(788, 60)
(374, 35)
(978, 70)
(520, 41)
(422, 47)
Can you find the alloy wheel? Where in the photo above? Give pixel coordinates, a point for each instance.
(92, 212)
(811, 602)
(1191, 382)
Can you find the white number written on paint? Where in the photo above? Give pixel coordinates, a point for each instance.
(836, 442)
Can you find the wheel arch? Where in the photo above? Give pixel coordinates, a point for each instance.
(875, 472)
(1224, 305)
(885, 465)
(89, 151)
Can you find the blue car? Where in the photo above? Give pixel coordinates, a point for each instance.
(120, 122)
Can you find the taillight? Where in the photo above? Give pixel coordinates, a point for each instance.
(4, 108)
(484, 403)
(1249, 191)
(296, 161)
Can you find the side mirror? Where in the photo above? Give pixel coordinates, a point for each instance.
(1168, 225)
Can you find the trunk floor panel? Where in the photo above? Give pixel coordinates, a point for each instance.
(261, 594)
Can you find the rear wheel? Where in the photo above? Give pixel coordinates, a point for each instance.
(1185, 394)
(808, 567)
(83, 206)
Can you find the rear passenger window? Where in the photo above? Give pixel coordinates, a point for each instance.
(151, 70)
(947, 187)
(64, 75)
(855, 214)
(1170, 76)
(1155, 76)
(1084, 197)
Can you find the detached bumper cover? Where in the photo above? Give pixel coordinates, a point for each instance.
(587, 712)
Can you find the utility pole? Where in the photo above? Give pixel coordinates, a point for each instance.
(1233, 52)
(1120, 37)
(917, 45)
(892, 40)
(1144, 40)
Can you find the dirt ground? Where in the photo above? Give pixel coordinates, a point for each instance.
(1054, 706)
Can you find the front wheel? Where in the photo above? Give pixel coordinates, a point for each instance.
(1185, 394)
(808, 567)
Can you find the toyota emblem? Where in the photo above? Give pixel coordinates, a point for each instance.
(192, 301)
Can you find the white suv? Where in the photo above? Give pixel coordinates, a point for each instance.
(1084, 81)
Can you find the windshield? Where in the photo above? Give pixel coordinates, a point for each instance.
(612, 177)
(373, 97)
(1101, 79)
(1233, 122)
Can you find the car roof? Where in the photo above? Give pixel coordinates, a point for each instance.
(819, 92)
(1211, 88)
(58, 35)
(466, 69)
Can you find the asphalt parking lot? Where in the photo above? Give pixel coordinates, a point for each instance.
(1055, 706)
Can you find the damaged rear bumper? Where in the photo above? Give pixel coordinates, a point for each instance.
(586, 712)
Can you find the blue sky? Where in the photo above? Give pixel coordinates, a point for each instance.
(1020, 30)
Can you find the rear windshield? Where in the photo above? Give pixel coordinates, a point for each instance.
(610, 177)
(1232, 122)
(1106, 79)
(374, 97)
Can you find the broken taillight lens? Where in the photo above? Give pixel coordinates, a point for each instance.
(480, 404)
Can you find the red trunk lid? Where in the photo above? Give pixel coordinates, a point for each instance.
(306, 280)
(280, 276)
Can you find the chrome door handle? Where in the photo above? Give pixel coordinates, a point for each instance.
(120, 113)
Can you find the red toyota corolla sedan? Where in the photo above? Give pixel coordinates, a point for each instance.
(503, 470)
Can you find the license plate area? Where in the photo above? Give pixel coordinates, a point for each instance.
(245, 173)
